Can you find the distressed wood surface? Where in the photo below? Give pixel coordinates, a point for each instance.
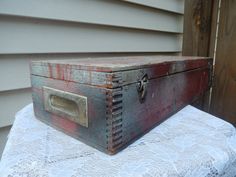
(197, 27)
(112, 64)
(214, 18)
(95, 134)
(165, 96)
(199, 31)
(224, 88)
(74, 71)
(116, 115)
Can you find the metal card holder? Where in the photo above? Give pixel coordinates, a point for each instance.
(67, 105)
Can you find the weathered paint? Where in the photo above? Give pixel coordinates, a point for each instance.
(116, 115)
(96, 106)
(105, 76)
(165, 96)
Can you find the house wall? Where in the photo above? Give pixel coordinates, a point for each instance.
(66, 29)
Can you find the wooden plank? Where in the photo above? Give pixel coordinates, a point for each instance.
(197, 32)
(112, 13)
(24, 35)
(165, 95)
(75, 71)
(113, 64)
(197, 27)
(214, 23)
(11, 102)
(215, 12)
(224, 87)
(176, 6)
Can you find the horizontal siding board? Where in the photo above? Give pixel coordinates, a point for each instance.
(103, 12)
(176, 6)
(15, 71)
(20, 78)
(11, 102)
(23, 35)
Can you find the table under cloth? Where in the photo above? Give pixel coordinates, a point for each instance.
(189, 143)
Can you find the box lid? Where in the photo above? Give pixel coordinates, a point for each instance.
(112, 72)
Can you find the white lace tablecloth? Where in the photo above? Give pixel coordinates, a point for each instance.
(190, 143)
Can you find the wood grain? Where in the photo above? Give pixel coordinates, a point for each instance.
(197, 35)
(96, 110)
(112, 64)
(165, 96)
(197, 27)
(92, 72)
(224, 89)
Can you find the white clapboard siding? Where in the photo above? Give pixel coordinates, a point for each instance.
(105, 12)
(11, 102)
(14, 72)
(68, 29)
(23, 35)
(176, 6)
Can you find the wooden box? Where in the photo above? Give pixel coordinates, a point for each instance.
(109, 102)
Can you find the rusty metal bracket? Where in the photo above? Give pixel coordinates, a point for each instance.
(142, 87)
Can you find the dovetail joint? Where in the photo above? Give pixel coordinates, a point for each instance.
(114, 118)
(114, 79)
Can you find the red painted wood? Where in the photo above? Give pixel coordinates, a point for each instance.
(116, 114)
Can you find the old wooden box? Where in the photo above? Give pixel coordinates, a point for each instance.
(109, 102)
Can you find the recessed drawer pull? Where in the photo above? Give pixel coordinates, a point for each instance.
(67, 105)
